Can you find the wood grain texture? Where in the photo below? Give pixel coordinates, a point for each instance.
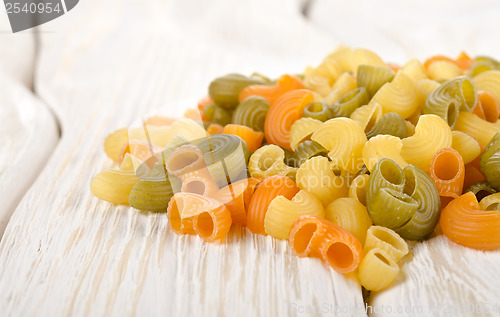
(28, 135)
(65, 252)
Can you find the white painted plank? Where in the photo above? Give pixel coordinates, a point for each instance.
(28, 134)
(67, 253)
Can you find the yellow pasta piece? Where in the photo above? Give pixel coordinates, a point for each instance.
(481, 130)
(318, 84)
(415, 70)
(114, 143)
(489, 81)
(316, 176)
(466, 145)
(431, 134)
(302, 129)
(342, 56)
(378, 237)
(130, 163)
(267, 161)
(411, 128)
(282, 212)
(344, 139)
(440, 70)
(187, 128)
(113, 185)
(426, 86)
(342, 86)
(400, 96)
(383, 146)
(366, 116)
(362, 56)
(377, 270)
(350, 215)
(357, 189)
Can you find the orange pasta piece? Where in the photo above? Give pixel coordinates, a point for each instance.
(464, 223)
(236, 197)
(464, 61)
(306, 236)
(199, 182)
(188, 163)
(318, 237)
(473, 175)
(159, 121)
(193, 114)
(215, 128)
(448, 172)
(142, 150)
(269, 189)
(489, 106)
(252, 138)
(283, 113)
(478, 110)
(394, 67)
(436, 58)
(284, 84)
(193, 213)
(205, 101)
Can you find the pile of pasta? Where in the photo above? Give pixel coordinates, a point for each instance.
(346, 161)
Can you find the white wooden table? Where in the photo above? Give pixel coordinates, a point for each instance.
(108, 63)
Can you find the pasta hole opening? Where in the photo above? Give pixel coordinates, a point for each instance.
(182, 160)
(195, 187)
(382, 258)
(447, 166)
(205, 225)
(266, 162)
(303, 237)
(391, 172)
(314, 107)
(388, 238)
(340, 255)
(469, 93)
(481, 194)
(452, 114)
(410, 184)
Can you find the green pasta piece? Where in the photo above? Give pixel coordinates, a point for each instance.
(318, 111)
(252, 112)
(481, 189)
(290, 159)
(422, 189)
(489, 161)
(454, 95)
(390, 208)
(390, 123)
(373, 77)
(386, 174)
(350, 102)
(216, 114)
(154, 191)
(225, 90)
(226, 156)
(308, 149)
(405, 200)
